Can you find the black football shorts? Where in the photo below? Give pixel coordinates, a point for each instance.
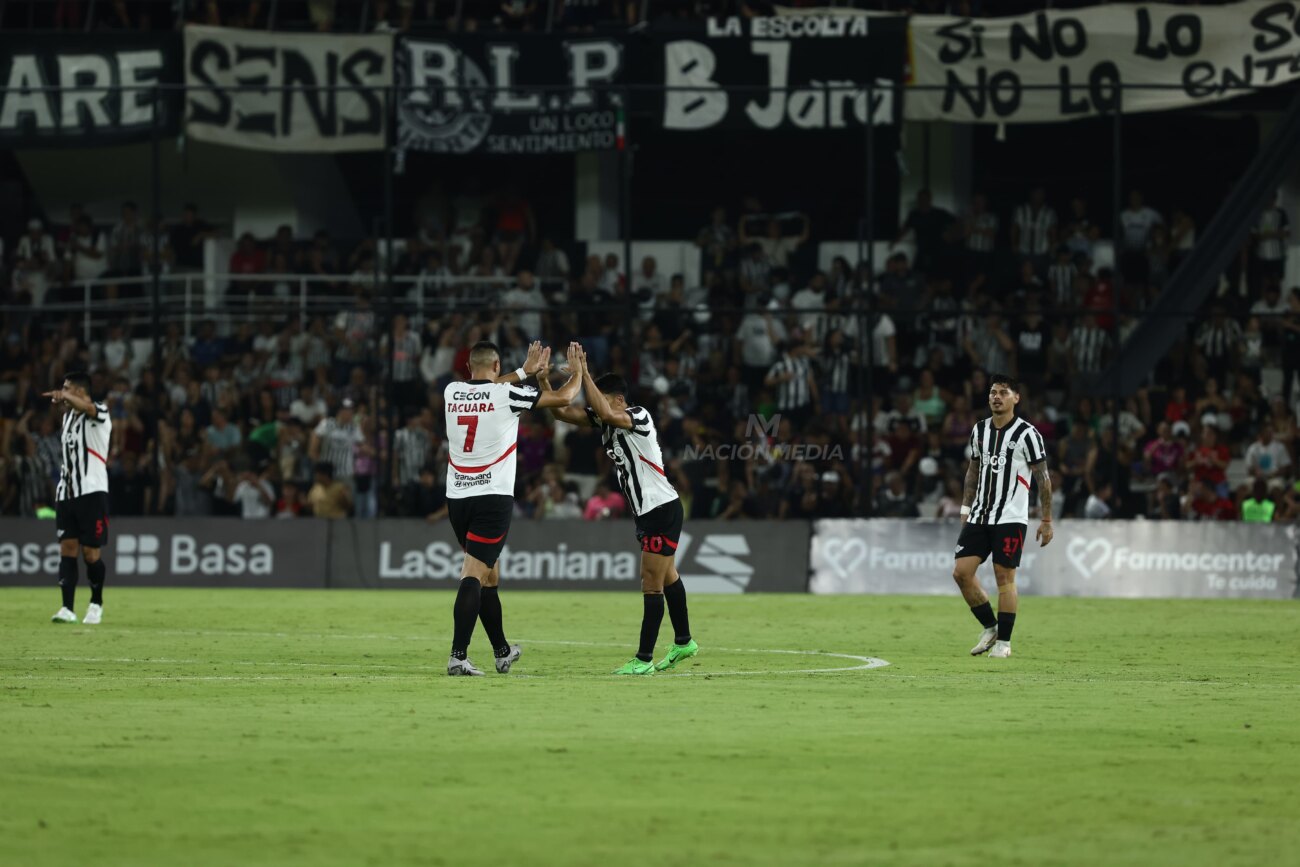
(660, 529)
(83, 518)
(481, 524)
(1004, 541)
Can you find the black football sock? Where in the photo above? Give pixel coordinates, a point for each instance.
(650, 622)
(1006, 623)
(465, 613)
(490, 613)
(68, 580)
(675, 596)
(984, 614)
(95, 572)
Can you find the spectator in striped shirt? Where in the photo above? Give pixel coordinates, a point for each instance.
(414, 446)
(403, 353)
(1269, 237)
(1060, 279)
(837, 363)
(336, 441)
(1089, 346)
(796, 387)
(1217, 344)
(1033, 231)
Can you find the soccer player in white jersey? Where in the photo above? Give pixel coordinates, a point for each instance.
(1005, 451)
(630, 440)
(482, 417)
(81, 505)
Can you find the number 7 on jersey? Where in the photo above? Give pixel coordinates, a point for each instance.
(471, 424)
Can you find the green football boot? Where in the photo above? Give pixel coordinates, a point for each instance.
(676, 654)
(636, 666)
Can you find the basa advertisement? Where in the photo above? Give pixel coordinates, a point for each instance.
(178, 552)
(1134, 559)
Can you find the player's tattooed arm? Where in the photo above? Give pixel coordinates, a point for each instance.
(1044, 479)
(972, 482)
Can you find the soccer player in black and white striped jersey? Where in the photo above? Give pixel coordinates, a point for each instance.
(632, 443)
(82, 500)
(1005, 452)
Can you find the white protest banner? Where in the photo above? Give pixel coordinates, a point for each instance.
(287, 92)
(1063, 65)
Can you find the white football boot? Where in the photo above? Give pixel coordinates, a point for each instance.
(63, 615)
(1001, 650)
(462, 668)
(504, 662)
(987, 637)
(94, 614)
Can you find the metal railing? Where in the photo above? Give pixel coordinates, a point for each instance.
(226, 298)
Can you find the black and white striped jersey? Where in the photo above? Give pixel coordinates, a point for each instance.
(85, 453)
(637, 460)
(1005, 456)
(482, 434)
(338, 445)
(413, 446)
(792, 393)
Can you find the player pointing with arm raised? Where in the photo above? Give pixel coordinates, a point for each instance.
(632, 443)
(1004, 452)
(482, 421)
(82, 498)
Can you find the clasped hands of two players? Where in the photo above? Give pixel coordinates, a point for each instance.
(538, 361)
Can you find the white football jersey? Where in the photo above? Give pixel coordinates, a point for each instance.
(85, 453)
(482, 435)
(1005, 456)
(637, 460)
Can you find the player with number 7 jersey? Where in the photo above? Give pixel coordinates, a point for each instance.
(482, 423)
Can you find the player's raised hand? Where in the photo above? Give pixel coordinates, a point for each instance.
(55, 396)
(533, 357)
(544, 361)
(578, 357)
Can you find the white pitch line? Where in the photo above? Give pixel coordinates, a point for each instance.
(866, 662)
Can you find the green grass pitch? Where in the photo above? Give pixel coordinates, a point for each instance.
(224, 727)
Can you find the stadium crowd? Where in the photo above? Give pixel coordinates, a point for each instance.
(873, 380)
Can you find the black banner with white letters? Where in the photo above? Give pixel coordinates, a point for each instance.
(86, 89)
(799, 71)
(516, 93)
(1066, 64)
(287, 92)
